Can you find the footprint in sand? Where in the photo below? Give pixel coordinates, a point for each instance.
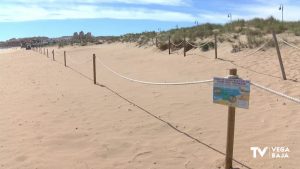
(139, 155)
(21, 158)
(156, 94)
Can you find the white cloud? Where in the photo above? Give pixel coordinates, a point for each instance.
(33, 12)
(145, 2)
(29, 10)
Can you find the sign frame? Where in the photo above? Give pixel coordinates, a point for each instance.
(232, 91)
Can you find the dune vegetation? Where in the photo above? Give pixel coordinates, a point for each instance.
(240, 33)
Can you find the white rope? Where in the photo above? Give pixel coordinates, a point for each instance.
(210, 40)
(276, 92)
(195, 82)
(289, 44)
(199, 46)
(192, 44)
(177, 45)
(258, 49)
(152, 83)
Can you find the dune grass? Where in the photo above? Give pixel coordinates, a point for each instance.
(254, 30)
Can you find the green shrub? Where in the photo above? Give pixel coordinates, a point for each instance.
(83, 44)
(235, 36)
(62, 44)
(221, 39)
(207, 46)
(163, 46)
(254, 38)
(238, 47)
(297, 31)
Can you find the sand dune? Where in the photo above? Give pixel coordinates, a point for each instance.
(54, 117)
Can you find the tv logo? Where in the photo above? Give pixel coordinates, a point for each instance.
(274, 152)
(261, 152)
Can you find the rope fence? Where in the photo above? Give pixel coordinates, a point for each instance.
(258, 49)
(294, 99)
(151, 83)
(177, 45)
(196, 82)
(231, 111)
(277, 93)
(203, 44)
(289, 44)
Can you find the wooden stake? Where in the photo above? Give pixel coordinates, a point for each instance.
(279, 56)
(94, 68)
(230, 131)
(156, 44)
(216, 47)
(65, 58)
(169, 45)
(53, 55)
(47, 53)
(184, 47)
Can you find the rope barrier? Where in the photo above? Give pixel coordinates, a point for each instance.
(199, 46)
(289, 44)
(192, 44)
(177, 45)
(198, 82)
(277, 93)
(152, 83)
(258, 49)
(294, 99)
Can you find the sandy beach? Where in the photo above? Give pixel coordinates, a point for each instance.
(55, 117)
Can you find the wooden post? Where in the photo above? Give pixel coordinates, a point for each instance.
(156, 44)
(94, 68)
(53, 55)
(279, 56)
(184, 47)
(44, 51)
(230, 131)
(47, 53)
(65, 58)
(169, 45)
(216, 47)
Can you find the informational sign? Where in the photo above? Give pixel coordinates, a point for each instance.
(231, 92)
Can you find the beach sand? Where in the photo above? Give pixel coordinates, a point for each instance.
(55, 117)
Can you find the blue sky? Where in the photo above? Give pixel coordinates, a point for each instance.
(54, 18)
